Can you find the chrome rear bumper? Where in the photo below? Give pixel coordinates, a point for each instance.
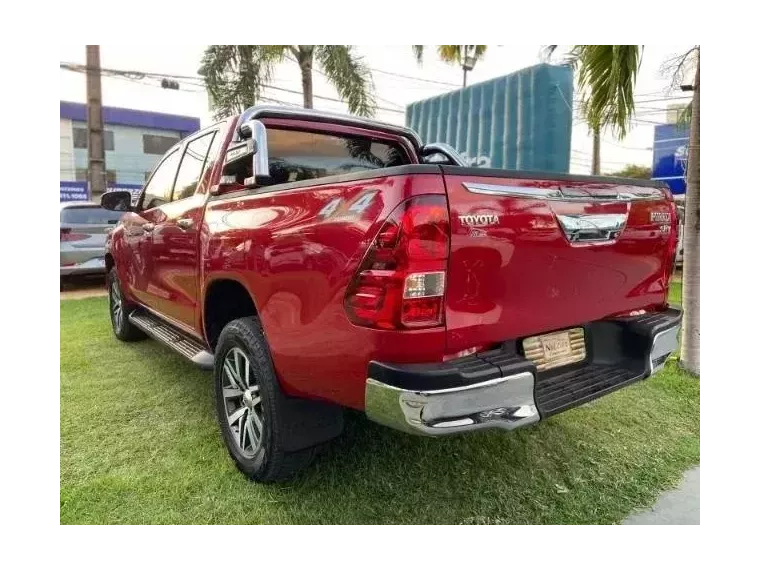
(502, 389)
(505, 403)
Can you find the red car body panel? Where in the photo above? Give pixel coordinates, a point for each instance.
(296, 249)
(296, 264)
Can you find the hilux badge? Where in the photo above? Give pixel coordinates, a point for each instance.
(659, 217)
(479, 220)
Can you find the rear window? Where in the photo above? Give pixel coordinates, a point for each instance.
(85, 215)
(300, 155)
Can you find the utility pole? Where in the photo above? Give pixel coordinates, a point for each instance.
(96, 159)
(595, 154)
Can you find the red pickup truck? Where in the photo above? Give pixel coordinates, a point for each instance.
(317, 262)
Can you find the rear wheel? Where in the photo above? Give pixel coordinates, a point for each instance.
(251, 409)
(119, 309)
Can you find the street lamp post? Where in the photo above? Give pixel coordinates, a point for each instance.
(468, 62)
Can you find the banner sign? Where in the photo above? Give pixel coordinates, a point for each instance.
(671, 156)
(73, 191)
(77, 191)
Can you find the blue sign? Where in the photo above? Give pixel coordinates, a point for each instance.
(73, 191)
(77, 191)
(671, 156)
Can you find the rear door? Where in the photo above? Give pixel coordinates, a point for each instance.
(535, 255)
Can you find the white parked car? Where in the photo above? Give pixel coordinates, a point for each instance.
(84, 226)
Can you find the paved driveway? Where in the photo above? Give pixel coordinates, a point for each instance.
(679, 506)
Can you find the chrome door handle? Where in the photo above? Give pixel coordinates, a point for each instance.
(185, 223)
(148, 226)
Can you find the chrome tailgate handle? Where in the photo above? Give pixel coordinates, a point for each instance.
(592, 227)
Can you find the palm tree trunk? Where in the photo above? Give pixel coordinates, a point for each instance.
(305, 62)
(690, 335)
(595, 154)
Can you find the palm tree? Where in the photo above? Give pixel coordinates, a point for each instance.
(606, 81)
(235, 75)
(466, 56)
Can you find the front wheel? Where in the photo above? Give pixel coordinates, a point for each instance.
(251, 409)
(119, 309)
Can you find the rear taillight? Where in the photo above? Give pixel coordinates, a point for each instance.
(68, 235)
(402, 280)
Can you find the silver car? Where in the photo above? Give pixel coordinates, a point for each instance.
(84, 227)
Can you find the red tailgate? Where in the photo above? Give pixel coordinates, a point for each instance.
(531, 256)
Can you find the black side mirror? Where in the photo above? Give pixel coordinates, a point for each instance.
(118, 200)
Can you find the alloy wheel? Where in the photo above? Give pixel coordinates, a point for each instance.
(117, 308)
(242, 402)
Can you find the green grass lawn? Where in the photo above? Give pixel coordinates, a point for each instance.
(140, 444)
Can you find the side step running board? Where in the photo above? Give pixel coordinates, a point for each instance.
(172, 337)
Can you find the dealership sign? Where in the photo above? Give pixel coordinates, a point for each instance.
(77, 191)
(671, 156)
(73, 191)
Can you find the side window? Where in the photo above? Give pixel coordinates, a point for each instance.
(213, 154)
(301, 155)
(159, 188)
(191, 168)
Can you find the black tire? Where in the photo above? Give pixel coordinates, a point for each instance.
(122, 328)
(269, 459)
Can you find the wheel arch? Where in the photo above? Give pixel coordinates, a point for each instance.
(225, 299)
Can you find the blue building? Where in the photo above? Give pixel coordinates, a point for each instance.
(670, 156)
(134, 142)
(519, 121)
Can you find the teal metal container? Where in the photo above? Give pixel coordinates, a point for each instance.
(522, 121)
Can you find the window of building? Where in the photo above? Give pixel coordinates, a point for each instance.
(158, 144)
(82, 175)
(159, 188)
(80, 138)
(300, 155)
(192, 166)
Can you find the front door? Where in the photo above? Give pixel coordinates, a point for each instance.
(136, 260)
(173, 279)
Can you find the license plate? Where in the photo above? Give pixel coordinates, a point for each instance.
(556, 349)
(556, 345)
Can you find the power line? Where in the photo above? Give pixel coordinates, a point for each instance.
(416, 78)
(138, 75)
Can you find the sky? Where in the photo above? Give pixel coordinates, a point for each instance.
(392, 91)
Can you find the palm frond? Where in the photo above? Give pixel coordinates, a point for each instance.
(451, 52)
(454, 54)
(234, 75)
(606, 80)
(350, 76)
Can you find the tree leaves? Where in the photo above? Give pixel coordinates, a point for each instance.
(606, 80)
(236, 75)
(450, 54)
(350, 77)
